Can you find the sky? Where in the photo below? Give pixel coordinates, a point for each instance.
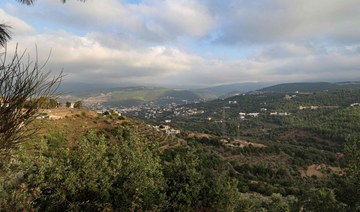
(190, 43)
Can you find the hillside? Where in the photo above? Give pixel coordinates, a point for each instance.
(84, 160)
(133, 96)
(300, 106)
(215, 92)
(140, 95)
(73, 123)
(300, 87)
(310, 87)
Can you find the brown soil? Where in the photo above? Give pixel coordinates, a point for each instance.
(59, 113)
(198, 135)
(72, 122)
(312, 170)
(243, 143)
(319, 170)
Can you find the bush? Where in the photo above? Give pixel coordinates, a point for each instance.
(94, 174)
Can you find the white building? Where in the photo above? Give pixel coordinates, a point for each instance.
(253, 114)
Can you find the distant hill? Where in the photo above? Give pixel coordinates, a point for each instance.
(348, 84)
(227, 90)
(78, 87)
(309, 87)
(132, 96)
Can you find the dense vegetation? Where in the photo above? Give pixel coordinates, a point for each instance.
(115, 169)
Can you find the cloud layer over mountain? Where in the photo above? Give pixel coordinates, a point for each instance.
(191, 42)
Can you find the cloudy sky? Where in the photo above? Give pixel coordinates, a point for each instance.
(195, 43)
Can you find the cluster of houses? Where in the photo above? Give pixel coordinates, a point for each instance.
(167, 129)
(189, 112)
(151, 112)
(315, 107)
(288, 97)
(243, 115)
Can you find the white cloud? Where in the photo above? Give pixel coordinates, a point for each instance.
(152, 42)
(18, 26)
(297, 20)
(178, 17)
(151, 21)
(85, 59)
(285, 50)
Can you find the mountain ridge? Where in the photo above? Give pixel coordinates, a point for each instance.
(310, 86)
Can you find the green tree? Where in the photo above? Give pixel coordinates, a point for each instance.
(78, 104)
(193, 182)
(245, 204)
(139, 186)
(322, 199)
(93, 174)
(348, 185)
(183, 183)
(279, 204)
(43, 102)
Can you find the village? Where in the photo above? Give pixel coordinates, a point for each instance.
(161, 117)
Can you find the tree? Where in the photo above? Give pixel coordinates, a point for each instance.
(348, 185)
(78, 105)
(194, 183)
(43, 103)
(278, 203)
(322, 199)
(94, 174)
(184, 182)
(21, 86)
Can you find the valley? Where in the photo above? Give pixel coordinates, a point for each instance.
(263, 149)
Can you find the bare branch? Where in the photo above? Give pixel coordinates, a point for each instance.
(23, 88)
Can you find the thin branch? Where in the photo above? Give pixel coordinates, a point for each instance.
(23, 88)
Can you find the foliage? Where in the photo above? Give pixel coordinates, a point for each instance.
(140, 183)
(78, 105)
(322, 199)
(348, 185)
(194, 181)
(95, 173)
